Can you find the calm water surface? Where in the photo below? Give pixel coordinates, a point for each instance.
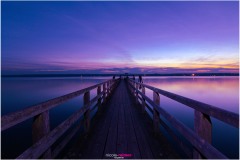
(222, 92)
(18, 93)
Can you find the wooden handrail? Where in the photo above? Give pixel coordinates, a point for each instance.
(201, 137)
(42, 144)
(218, 113)
(12, 119)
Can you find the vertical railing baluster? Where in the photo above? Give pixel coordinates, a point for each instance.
(133, 90)
(86, 100)
(143, 100)
(40, 128)
(104, 92)
(203, 128)
(108, 88)
(136, 93)
(99, 99)
(111, 85)
(156, 118)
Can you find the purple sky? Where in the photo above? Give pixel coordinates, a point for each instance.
(119, 37)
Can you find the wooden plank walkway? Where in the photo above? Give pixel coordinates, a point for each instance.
(120, 128)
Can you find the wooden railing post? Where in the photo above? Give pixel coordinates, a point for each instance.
(156, 118)
(130, 83)
(99, 99)
(112, 85)
(86, 100)
(133, 89)
(108, 88)
(143, 100)
(136, 93)
(104, 92)
(40, 128)
(203, 128)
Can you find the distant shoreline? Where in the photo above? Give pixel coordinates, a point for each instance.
(105, 75)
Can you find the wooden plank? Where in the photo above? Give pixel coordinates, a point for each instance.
(111, 143)
(144, 147)
(143, 144)
(132, 144)
(12, 119)
(216, 112)
(40, 128)
(122, 135)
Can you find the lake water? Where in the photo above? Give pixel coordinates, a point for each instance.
(222, 92)
(18, 93)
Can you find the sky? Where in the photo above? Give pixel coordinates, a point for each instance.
(119, 37)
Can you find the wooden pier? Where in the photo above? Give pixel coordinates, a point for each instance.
(121, 128)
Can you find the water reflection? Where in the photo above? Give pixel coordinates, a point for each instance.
(19, 93)
(222, 92)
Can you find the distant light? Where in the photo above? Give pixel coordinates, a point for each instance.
(193, 74)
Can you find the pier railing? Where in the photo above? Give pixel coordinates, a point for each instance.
(201, 137)
(42, 136)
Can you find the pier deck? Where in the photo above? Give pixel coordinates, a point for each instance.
(121, 128)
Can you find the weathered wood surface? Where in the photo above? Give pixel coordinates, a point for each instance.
(221, 114)
(143, 100)
(121, 128)
(203, 128)
(86, 99)
(40, 128)
(156, 119)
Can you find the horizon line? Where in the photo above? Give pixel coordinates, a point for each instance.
(118, 74)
